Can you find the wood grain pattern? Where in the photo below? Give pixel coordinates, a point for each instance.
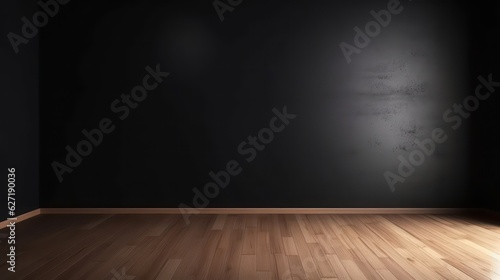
(229, 246)
(254, 211)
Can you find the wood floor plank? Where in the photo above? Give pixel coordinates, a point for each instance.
(289, 245)
(265, 261)
(66, 257)
(219, 222)
(249, 241)
(168, 270)
(275, 236)
(34, 250)
(296, 268)
(282, 266)
(201, 258)
(325, 270)
(248, 267)
(446, 244)
(164, 250)
(232, 266)
(338, 267)
(227, 230)
(230, 246)
(353, 269)
(306, 228)
(216, 270)
(304, 254)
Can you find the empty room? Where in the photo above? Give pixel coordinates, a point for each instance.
(236, 139)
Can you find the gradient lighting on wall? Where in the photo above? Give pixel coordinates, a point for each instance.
(400, 86)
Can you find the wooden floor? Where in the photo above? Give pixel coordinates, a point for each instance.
(126, 247)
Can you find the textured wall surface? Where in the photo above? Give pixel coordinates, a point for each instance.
(353, 120)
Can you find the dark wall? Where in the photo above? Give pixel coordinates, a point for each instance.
(486, 129)
(19, 110)
(352, 121)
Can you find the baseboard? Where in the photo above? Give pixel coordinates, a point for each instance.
(260, 211)
(242, 211)
(21, 218)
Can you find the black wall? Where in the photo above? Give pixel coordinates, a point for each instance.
(353, 120)
(486, 129)
(19, 110)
